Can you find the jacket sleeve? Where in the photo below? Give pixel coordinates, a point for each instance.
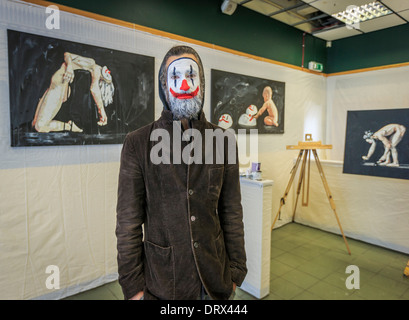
(231, 219)
(130, 217)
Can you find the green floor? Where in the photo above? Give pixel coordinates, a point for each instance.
(310, 264)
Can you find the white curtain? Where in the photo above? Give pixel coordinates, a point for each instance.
(372, 209)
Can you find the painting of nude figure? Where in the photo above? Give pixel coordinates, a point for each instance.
(245, 102)
(68, 93)
(377, 143)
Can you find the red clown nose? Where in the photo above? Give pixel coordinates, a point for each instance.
(184, 86)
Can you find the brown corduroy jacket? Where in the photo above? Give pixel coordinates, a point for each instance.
(179, 225)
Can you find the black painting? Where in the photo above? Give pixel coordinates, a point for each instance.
(377, 143)
(108, 93)
(236, 99)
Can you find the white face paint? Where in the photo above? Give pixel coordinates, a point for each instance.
(183, 78)
(225, 121)
(106, 74)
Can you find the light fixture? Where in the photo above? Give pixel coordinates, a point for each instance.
(353, 15)
(228, 7)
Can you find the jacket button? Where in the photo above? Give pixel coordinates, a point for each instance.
(196, 244)
(192, 218)
(190, 192)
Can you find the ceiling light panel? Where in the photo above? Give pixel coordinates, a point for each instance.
(355, 15)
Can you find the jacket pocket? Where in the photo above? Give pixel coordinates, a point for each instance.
(160, 270)
(215, 182)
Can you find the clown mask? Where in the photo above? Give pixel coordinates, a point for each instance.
(183, 78)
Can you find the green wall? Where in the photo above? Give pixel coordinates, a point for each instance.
(245, 30)
(253, 33)
(374, 49)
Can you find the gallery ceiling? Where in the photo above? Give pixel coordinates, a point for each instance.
(317, 17)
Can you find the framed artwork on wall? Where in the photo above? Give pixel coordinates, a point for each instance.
(69, 93)
(377, 143)
(246, 102)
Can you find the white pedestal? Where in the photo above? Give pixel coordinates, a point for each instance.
(257, 214)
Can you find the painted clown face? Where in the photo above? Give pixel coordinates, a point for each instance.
(183, 78)
(225, 121)
(106, 74)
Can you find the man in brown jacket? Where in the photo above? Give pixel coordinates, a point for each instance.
(179, 216)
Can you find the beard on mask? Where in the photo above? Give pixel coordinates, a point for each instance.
(185, 108)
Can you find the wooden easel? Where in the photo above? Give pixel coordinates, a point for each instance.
(304, 155)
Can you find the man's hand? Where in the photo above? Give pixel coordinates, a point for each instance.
(137, 296)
